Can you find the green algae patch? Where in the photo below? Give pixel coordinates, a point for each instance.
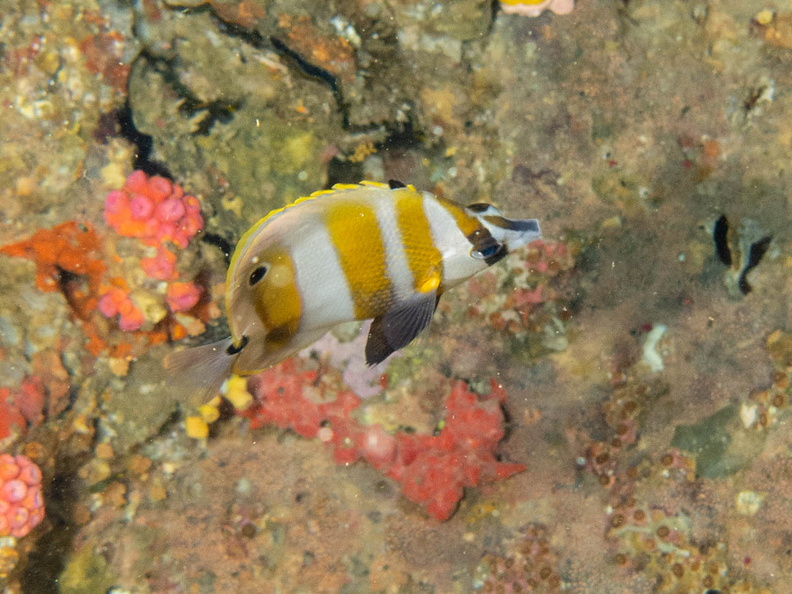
(719, 443)
(86, 572)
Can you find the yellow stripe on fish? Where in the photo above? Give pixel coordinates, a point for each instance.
(355, 233)
(357, 251)
(423, 257)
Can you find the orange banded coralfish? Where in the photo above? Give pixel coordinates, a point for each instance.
(385, 252)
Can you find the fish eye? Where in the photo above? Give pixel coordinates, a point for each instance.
(487, 251)
(257, 275)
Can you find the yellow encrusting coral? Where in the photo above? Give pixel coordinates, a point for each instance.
(237, 393)
(196, 427)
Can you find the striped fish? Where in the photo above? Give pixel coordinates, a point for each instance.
(385, 252)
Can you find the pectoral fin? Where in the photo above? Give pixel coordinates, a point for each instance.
(399, 326)
(200, 371)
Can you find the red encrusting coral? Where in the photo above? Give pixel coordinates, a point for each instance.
(9, 414)
(21, 502)
(30, 400)
(433, 469)
(39, 396)
(68, 258)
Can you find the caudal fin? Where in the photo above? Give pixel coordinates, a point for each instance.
(200, 371)
(513, 233)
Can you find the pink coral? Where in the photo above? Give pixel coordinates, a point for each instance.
(162, 266)
(116, 302)
(182, 296)
(21, 502)
(433, 469)
(154, 210)
(158, 213)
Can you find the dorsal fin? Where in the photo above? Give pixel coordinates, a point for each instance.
(391, 185)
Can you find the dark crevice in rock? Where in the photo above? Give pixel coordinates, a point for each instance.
(191, 106)
(399, 137)
(755, 255)
(313, 71)
(143, 143)
(48, 559)
(402, 136)
(218, 241)
(255, 39)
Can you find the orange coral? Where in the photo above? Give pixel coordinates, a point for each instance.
(68, 259)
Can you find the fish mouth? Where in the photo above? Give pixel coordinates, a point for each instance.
(236, 349)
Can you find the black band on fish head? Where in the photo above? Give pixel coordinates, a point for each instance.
(235, 350)
(486, 247)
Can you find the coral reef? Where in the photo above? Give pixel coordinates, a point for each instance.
(348, 357)
(95, 273)
(659, 544)
(40, 396)
(656, 461)
(652, 536)
(766, 406)
(526, 303)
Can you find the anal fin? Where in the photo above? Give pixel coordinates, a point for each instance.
(399, 326)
